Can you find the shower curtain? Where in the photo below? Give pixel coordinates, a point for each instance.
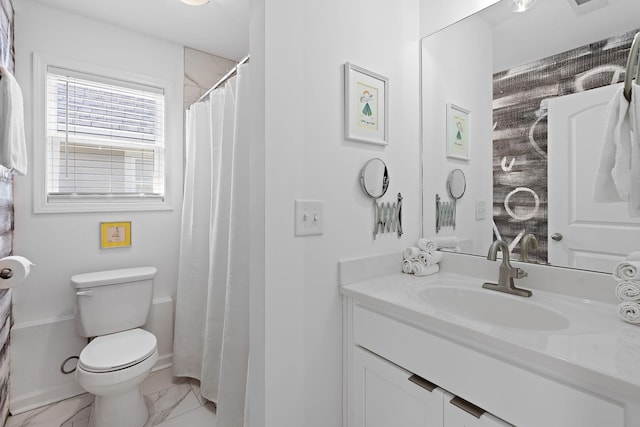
(211, 337)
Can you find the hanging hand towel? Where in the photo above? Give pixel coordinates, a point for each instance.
(13, 146)
(613, 176)
(634, 112)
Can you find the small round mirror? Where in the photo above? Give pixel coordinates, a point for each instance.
(456, 184)
(374, 178)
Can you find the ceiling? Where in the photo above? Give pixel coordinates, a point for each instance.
(220, 27)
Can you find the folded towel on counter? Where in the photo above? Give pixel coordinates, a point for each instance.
(614, 170)
(445, 241)
(629, 312)
(13, 145)
(420, 269)
(411, 253)
(427, 245)
(407, 266)
(627, 270)
(429, 258)
(628, 290)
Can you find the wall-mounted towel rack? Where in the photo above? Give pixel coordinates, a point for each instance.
(631, 63)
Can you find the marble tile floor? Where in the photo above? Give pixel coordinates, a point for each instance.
(172, 402)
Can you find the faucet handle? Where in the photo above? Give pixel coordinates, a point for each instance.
(520, 273)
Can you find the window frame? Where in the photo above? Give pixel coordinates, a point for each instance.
(41, 201)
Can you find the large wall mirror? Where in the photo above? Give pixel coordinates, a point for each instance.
(536, 85)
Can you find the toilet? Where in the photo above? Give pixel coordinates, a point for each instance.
(110, 307)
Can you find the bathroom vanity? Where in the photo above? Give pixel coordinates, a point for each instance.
(442, 351)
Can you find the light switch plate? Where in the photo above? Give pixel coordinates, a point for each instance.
(481, 210)
(309, 218)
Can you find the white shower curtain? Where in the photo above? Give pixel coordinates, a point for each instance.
(211, 338)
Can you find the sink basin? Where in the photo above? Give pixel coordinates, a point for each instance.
(494, 308)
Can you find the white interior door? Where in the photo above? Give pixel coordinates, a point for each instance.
(594, 236)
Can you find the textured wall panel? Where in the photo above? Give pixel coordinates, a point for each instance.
(520, 97)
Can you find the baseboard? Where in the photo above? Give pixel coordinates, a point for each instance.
(39, 398)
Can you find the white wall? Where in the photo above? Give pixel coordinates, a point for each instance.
(65, 244)
(306, 156)
(456, 68)
(436, 14)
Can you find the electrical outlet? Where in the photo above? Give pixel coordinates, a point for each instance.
(309, 218)
(481, 210)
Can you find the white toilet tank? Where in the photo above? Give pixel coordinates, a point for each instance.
(112, 301)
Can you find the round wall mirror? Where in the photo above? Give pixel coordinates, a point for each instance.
(456, 184)
(374, 178)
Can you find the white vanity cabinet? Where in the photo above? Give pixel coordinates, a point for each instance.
(383, 349)
(384, 395)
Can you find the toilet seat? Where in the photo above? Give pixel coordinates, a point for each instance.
(117, 351)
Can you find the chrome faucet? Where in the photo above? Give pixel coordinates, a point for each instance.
(507, 272)
(527, 243)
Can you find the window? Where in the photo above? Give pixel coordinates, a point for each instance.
(104, 139)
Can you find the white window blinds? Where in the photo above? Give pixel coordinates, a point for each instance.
(105, 138)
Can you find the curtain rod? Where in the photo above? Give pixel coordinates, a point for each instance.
(224, 78)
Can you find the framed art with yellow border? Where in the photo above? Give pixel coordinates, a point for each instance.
(115, 234)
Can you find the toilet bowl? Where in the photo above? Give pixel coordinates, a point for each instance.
(111, 307)
(111, 367)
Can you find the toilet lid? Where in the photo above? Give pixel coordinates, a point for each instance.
(117, 351)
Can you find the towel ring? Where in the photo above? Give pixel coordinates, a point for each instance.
(631, 62)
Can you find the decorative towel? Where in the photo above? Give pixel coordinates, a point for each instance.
(429, 258)
(634, 189)
(422, 270)
(411, 253)
(407, 266)
(627, 270)
(427, 245)
(628, 290)
(629, 312)
(13, 146)
(614, 171)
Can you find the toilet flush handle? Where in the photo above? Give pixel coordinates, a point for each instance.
(84, 293)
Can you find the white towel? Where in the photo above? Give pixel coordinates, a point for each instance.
(407, 266)
(429, 258)
(410, 253)
(628, 290)
(423, 270)
(13, 146)
(427, 245)
(627, 270)
(445, 241)
(634, 188)
(629, 312)
(614, 171)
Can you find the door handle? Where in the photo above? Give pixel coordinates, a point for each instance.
(557, 237)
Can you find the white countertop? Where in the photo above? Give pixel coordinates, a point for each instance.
(597, 351)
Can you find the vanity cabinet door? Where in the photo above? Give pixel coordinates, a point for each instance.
(384, 395)
(455, 416)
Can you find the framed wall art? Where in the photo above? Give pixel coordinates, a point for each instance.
(115, 234)
(458, 132)
(366, 105)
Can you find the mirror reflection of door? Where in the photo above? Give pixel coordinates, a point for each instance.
(594, 235)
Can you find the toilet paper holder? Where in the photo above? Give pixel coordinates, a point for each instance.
(6, 273)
